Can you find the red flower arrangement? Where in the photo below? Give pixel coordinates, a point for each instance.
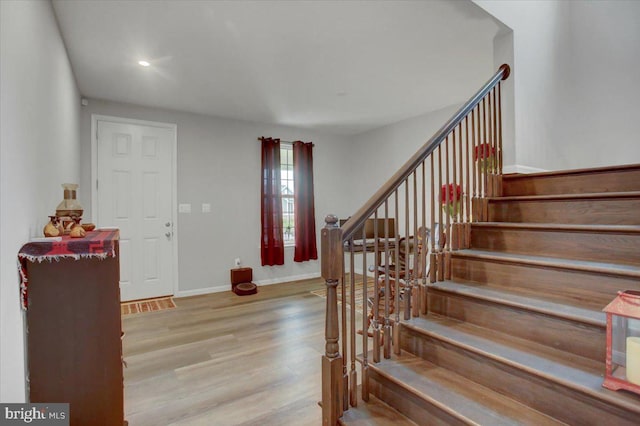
(485, 155)
(450, 196)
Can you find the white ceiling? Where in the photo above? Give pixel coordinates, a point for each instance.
(337, 66)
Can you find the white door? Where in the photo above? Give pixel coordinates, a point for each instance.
(134, 193)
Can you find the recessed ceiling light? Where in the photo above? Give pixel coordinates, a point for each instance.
(144, 63)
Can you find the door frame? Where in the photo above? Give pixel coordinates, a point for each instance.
(174, 177)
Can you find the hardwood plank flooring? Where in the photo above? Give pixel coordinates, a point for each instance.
(222, 359)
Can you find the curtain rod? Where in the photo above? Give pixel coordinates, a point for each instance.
(286, 142)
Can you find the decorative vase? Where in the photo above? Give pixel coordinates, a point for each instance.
(53, 228)
(69, 206)
(77, 231)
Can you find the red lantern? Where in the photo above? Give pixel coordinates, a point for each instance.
(623, 342)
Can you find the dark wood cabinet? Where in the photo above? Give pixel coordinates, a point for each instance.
(74, 330)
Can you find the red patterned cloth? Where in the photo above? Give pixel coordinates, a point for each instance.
(97, 244)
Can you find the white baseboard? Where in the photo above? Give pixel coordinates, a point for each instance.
(205, 290)
(227, 287)
(288, 279)
(518, 168)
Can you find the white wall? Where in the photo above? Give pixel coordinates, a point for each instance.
(39, 150)
(603, 96)
(575, 72)
(382, 151)
(219, 163)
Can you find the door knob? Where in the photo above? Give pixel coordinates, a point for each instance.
(167, 234)
(168, 224)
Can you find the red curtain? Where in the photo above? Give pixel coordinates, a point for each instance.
(272, 244)
(305, 221)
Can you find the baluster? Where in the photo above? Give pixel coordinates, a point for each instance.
(452, 192)
(424, 192)
(484, 141)
(396, 284)
(495, 132)
(420, 260)
(500, 133)
(413, 282)
(497, 171)
(353, 377)
(375, 323)
(442, 230)
(491, 148)
(474, 183)
(423, 282)
(491, 145)
(345, 338)
(387, 286)
(467, 218)
(484, 170)
(495, 128)
(447, 243)
(480, 148)
(407, 284)
(331, 266)
(433, 260)
(460, 211)
(365, 321)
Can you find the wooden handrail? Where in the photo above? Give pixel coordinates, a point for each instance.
(471, 144)
(358, 218)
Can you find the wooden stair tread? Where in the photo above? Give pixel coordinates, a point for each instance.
(541, 361)
(592, 170)
(462, 398)
(551, 354)
(617, 229)
(373, 413)
(534, 293)
(606, 179)
(509, 298)
(553, 262)
(579, 196)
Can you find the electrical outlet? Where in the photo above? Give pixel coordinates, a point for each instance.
(206, 208)
(237, 261)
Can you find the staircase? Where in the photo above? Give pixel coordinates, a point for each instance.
(517, 335)
(505, 324)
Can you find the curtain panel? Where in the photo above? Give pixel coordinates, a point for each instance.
(305, 221)
(271, 242)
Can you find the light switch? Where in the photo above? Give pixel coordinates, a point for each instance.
(184, 208)
(206, 208)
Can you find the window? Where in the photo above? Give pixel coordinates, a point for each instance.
(286, 180)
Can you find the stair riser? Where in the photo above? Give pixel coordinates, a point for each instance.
(612, 181)
(570, 336)
(416, 409)
(597, 246)
(579, 288)
(537, 392)
(608, 211)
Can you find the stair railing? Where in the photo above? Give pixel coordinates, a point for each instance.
(431, 201)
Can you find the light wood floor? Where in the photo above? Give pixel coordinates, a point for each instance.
(221, 359)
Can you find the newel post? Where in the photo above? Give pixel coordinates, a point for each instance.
(331, 259)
